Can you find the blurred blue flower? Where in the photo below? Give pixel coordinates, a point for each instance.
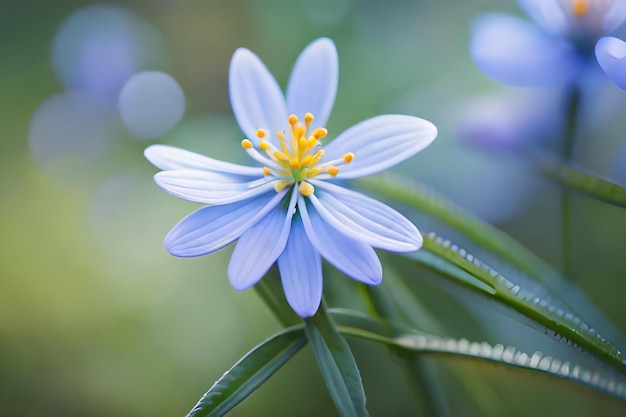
(291, 207)
(611, 53)
(511, 123)
(555, 50)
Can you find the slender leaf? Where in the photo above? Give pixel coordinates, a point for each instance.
(249, 373)
(545, 311)
(601, 379)
(493, 240)
(581, 180)
(337, 364)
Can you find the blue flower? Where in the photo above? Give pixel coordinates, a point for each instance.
(555, 50)
(611, 55)
(291, 207)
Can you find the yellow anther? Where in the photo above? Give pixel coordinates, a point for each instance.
(347, 158)
(580, 7)
(246, 144)
(266, 171)
(294, 163)
(280, 185)
(306, 189)
(293, 119)
(308, 118)
(320, 133)
(332, 170)
(260, 133)
(264, 145)
(303, 142)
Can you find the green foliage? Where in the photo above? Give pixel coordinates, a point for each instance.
(249, 373)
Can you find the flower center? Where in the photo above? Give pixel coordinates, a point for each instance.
(297, 157)
(580, 7)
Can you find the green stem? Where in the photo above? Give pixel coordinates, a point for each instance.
(568, 152)
(420, 372)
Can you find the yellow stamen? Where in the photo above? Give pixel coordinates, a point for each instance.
(306, 189)
(580, 7)
(306, 160)
(298, 131)
(280, 185)
(320, 133)
(332, 170)
(297, 156)
(308, 118)
(281, 156)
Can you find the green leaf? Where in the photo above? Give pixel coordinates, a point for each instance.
(337, 364)
(581, 180)
(545, 311)
(498, 243)
(249, 373)
(362, 326)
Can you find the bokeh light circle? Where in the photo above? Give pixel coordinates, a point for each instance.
(151, 103)
(98, 48)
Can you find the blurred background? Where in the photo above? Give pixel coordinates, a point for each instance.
(97, 319)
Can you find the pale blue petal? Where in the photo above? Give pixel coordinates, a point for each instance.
(256, 98)
(611, 54)
(379, 143)
(364, 219)
(312, 86)
(259, 247)
(355, 259)
(615, 16)
(168, 157)
(300, 269)
(513, 51)
(211, 228)
(549, 14)
(211, 187)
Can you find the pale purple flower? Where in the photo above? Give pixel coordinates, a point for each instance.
(611, 55)
(292, 207)
(555, 49)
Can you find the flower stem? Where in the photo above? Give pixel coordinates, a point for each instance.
(420, 372)
(567, 153)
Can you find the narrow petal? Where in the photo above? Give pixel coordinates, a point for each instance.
(379, 143)
(259, 247)
(256, 98)
(515, 52)
(364, 219)
(210, 187)
(211, 228)
(615, 16)
(611, 54)
(312, 86)
(355, 259)
(549, 14)
(168, 157)
(300, 269)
